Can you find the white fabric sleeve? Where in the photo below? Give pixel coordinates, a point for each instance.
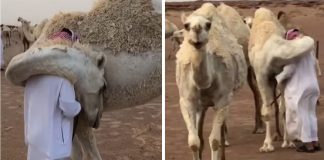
(286, 73)
(67, 102)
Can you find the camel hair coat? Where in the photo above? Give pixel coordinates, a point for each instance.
(49, 109)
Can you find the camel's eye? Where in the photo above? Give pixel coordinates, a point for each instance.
(186, 26)
(208, 24)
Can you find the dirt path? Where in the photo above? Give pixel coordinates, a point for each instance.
(244, 144)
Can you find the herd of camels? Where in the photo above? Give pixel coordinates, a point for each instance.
(218, 49)
(242, 50)
(104, 80)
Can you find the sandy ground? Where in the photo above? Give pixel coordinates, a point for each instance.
(244, 144)
(127, 134)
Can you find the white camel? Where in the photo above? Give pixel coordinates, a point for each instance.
(268, 53)
(133, 76)
(210, 66)
(6, 33)
(30, 33)
(169, 28)
(233, 21)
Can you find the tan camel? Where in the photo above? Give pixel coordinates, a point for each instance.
(132, 65)
(6, 35)
(268, 53)
(241, 31)
(210, 67)
(30, 33)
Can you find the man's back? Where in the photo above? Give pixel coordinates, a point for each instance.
(49, 100)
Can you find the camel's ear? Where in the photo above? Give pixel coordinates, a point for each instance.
(282, 18)
(280, 14)
(210, 19)
(101, 61)
(183, 17)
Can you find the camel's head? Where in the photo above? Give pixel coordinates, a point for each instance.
(196, 29)
(91, 91)
(23, 21)
(248, 21)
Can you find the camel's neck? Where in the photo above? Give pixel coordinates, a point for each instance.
(133, 79)
(200, 70)
(27, 30)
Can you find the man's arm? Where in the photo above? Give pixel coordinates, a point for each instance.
(67, 102)
(286, 73)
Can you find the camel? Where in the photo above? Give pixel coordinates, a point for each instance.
(170, 28)
(241, 31)
(30, 33)
(83, 67)
(286, 23)
(210, 67)
(234, 22)
(248, 21)
(268, 53)
(6, 33)
(132, 66)
(176, 35)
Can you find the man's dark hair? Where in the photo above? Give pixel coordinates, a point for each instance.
(67, 31)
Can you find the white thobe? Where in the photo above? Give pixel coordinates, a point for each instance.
(50, 107)
(301, 95)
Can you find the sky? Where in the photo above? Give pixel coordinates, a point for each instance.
(37, 10)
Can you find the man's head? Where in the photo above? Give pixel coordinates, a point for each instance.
(292, 34)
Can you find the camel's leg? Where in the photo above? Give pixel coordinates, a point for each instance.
(189, 111)
(266, 91)
(319, 71)
(223, 141)
(226, 143)
(215, 135)
(259, 126)
(200, 116)
(9, 37)
(87, 139)
(77, 152)
(277, 135)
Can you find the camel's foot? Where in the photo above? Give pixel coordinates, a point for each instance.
(258, 130)
(267, 147)
(194, 142)
(288, 144)
(227, 143)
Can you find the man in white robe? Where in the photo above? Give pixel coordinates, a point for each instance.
(301, 94)
(50, 107)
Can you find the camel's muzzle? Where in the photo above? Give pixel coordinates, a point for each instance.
(96, 122)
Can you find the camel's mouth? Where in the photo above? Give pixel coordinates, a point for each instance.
(198, 44)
